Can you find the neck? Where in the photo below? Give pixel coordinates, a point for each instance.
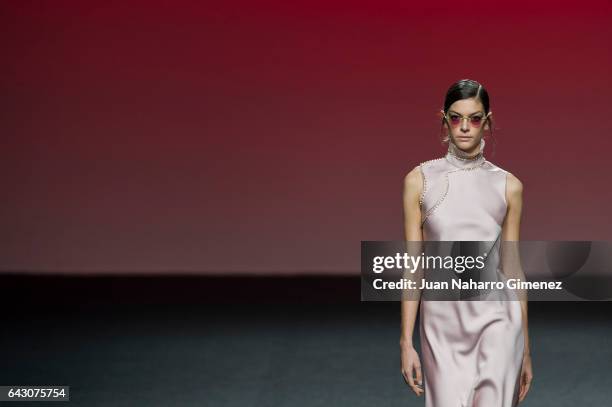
(463, 159)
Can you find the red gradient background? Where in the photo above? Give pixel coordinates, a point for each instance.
(272, 137)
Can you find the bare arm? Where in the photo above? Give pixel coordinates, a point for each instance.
(511, 232)
(413, 186)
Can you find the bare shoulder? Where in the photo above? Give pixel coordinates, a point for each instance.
(413, 181)
(514, 186)
(514, 190)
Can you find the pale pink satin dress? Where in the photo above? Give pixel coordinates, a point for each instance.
(471, 350)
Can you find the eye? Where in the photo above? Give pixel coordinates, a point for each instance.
(476, 119)
(455, 118)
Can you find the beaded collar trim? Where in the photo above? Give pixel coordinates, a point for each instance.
(460, 159)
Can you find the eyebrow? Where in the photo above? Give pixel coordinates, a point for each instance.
(471, 114)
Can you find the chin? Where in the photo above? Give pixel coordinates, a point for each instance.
(466, 145)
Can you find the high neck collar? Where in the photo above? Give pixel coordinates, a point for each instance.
(460, 159)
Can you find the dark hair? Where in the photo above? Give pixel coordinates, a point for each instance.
(467, 89)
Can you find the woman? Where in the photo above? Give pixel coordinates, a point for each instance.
(475, 353)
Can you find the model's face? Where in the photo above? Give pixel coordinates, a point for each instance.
(466, 133)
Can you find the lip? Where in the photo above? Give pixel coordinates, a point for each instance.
(464, 137)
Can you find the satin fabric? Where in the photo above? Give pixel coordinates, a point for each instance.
(471, 350)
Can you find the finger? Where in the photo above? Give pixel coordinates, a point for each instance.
(521, 392)
(522, 397)
(405, 376)
(419, 375)
(417, 384)
(527, 387)
(410, 379)
(524, 389)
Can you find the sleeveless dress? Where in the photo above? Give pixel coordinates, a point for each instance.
(472, 351)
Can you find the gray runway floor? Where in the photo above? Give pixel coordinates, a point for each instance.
(273, 355)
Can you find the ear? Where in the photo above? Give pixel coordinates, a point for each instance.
(488, 120)
(441, 117)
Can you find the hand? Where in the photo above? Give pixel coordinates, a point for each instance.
(526, 377)
(411, 364)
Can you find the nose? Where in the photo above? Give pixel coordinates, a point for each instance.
(465, 126)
